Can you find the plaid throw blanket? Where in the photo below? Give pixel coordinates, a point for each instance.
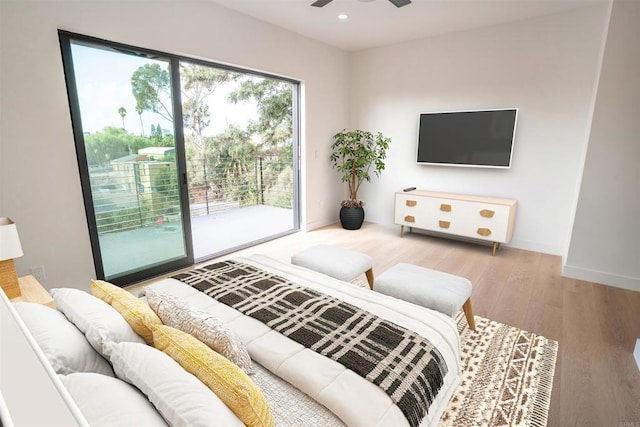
(402, 363)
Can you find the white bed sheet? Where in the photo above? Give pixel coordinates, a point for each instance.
(356, 401)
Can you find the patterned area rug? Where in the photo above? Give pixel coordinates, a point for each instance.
(507, 375)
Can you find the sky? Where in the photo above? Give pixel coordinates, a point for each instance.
(103, 79)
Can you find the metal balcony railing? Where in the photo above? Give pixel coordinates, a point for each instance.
(139, 194)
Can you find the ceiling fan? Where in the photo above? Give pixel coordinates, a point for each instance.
(397, 3)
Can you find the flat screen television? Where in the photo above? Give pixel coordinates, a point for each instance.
(467, 138)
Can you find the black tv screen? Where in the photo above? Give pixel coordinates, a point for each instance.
(467, 138)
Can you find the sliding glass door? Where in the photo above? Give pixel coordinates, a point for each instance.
(129, 149)
(180, 160)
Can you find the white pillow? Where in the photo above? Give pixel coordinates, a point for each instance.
(107, 401)
(179, 396)
(62, 343)
(202, 325)
(95, 318)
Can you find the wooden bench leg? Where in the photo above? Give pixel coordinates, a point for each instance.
(369, 274)
(468, 312)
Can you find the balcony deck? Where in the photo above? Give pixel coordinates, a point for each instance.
(235, 228)
(212, 235)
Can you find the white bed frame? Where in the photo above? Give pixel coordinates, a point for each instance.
(30, 391)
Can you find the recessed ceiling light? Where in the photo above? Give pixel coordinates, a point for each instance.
(343, 16)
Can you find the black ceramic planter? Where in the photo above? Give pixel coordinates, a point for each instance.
(351, 218)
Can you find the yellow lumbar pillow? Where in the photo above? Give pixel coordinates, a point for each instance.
(225, 379)
(137, 314)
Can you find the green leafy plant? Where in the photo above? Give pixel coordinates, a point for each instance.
(358, 155)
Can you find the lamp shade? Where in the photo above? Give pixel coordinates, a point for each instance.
(10, 247)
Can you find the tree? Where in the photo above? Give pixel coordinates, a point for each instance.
(165, 183)
(358, 155)
(274, 100)
(139, 111)
(157, 135)
(234, 156)
(151, 87)
(275, 105)
(123, 112)
(199, 82)
(111, 143)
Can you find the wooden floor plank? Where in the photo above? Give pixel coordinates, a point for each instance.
(492, 282)
(619, 341)
(511, 304)
(584, 375)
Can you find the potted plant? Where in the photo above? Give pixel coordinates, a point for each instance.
(357, 155)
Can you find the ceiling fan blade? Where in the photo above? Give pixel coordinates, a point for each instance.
(400, 3)
(320, 3)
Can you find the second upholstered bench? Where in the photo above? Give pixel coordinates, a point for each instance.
(433, 289)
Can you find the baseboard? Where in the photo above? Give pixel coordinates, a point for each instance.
(535, 247)
(314, 225)
(609, 279)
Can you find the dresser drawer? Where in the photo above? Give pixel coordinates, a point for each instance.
(473, 210)
(414, 211)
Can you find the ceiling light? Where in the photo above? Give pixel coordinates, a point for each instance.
(343, 16)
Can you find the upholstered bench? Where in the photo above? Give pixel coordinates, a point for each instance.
(433, 289)
(339, 263)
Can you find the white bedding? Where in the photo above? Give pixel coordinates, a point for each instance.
(289, 406)
(356, 401)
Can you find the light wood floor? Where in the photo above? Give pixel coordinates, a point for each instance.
(597, 382)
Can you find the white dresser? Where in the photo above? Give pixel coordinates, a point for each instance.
(485, 218)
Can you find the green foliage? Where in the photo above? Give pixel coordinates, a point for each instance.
(233, 156)
(280, 192)
(354, 154)
(118, 220)
(151, 87)
(275, 105)
(166, 190)
(158, 137)
(198, 83)
(112, 143)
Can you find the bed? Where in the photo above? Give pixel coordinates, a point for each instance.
(305, 380)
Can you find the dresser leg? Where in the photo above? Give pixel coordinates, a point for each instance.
(401, 231)
(496, 246)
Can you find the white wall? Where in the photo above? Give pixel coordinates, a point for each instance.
(605, 243)
(546, 67)
(39, 181)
